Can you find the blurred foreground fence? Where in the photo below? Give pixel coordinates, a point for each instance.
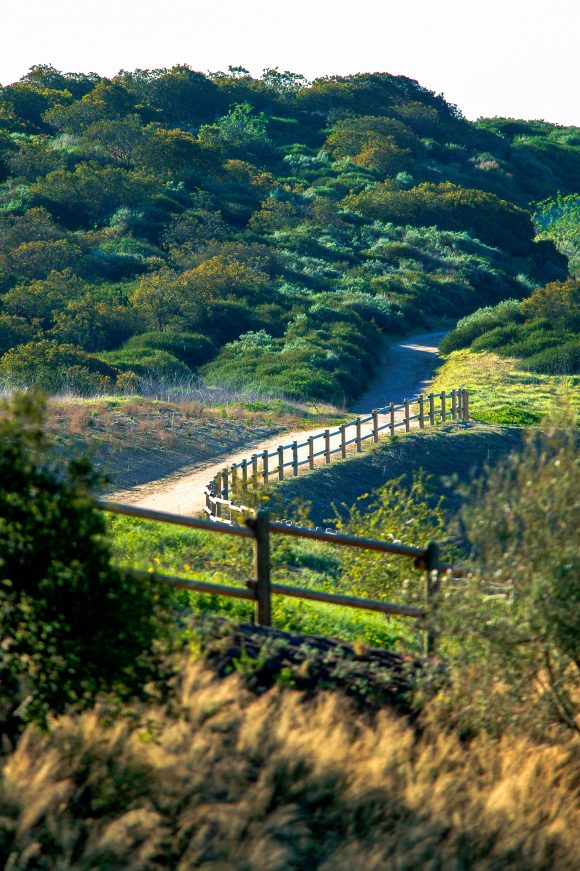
(259, 528)
(222, 493)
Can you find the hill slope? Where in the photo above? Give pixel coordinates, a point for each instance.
(165, 224)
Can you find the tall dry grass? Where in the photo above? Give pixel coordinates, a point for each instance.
(225, 780)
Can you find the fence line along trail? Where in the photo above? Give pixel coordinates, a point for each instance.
(404, 371)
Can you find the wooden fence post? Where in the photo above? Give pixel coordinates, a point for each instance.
(280, 462)
(255, 471)
(265, 467)
(375, 426)
(454, 405)
(342, 440)
(261, 526)
(431, 409)
(295, 459)
(392, 419)
(244, 475)
(218, 494)
(443, 407)
(358, 436)
(432, 598)
(465, 405)
(310, 452)
(327, 446)
(407, 415)
(234, 473)
(421, 412)
(225, 484)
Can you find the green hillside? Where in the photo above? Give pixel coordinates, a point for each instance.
(165, 225)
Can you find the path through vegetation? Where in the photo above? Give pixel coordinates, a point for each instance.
(405, 370)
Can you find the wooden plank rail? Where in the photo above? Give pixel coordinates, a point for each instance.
(288, 456)
(260, 528)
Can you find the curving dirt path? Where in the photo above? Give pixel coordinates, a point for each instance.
(405, 370)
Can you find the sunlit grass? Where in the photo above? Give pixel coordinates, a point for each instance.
(220, 778)
(501, 393)
(222, 559)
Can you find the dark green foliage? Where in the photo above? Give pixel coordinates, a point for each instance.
(169, 201)
(481, 321)
(71, 625)
(561, 360)
(49, 366)
(148, 362)
(542, 330)
(449, 207)
(193, 349)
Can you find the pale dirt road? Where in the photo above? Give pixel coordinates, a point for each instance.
(403, 373)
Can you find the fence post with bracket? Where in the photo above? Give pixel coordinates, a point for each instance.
(432, 590)
(260, 524)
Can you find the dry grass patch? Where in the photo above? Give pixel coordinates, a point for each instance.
(224, 780)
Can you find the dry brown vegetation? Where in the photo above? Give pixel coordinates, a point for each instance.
(230, 781)
(136, 439)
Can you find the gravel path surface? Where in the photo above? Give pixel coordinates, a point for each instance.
(404, 372)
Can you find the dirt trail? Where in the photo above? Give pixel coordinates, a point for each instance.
(404, 372)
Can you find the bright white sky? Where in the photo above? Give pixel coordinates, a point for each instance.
(514, 58)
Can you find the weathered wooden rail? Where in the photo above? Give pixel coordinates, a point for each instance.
(259, 528)
(222, 493)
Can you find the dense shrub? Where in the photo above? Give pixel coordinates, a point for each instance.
(541, 329)
(148, 362)
(479, 322)
(513, 631)
(193, 349)
(52, 367)
(71, 624)
(562, 359)
(128, 207)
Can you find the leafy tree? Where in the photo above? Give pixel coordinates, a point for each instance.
(91, 195)
(178, 94)
(518, 659)
(37, 259)
(61, 601)
(52, 367)
(239, 128)
(557, 301)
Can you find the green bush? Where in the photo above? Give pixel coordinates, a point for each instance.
(480, 322)
(512, 631)
(497, 339)
(52, 367)
(71, 624)
(193, 349)
(560, 360)
(147, 362)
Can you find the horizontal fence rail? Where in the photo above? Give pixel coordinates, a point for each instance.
(260, 527)
(223, 493)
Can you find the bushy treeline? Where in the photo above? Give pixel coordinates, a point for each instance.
(269, 229)
(542, 330)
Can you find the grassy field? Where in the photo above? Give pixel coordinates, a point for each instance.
(136, 439)
(444, 452)
(501, 393)
(221, 559)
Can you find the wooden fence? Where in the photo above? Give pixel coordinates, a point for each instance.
(260, 590)
(259, 470)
